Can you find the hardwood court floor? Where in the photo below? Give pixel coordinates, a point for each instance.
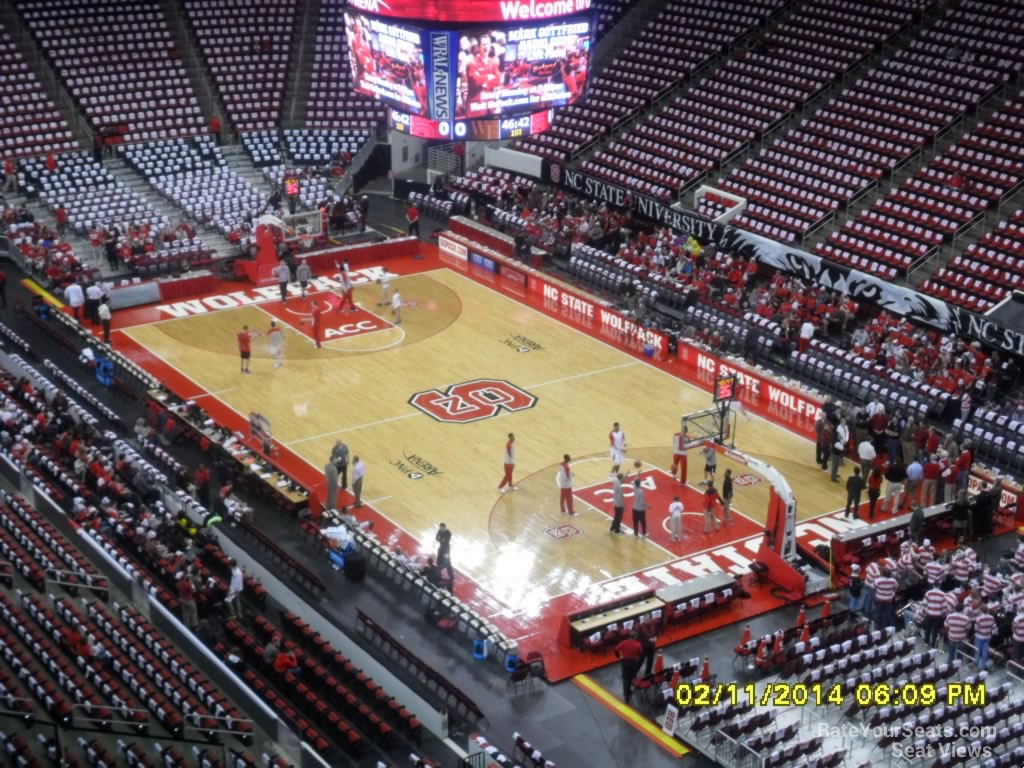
(421, 471)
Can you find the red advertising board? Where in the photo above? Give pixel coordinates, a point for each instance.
(596, 318)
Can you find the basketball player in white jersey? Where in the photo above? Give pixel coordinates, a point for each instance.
(679, 441)
(510, 464)
(384, 281)
(396, 307)
(346, 289)
(617, 447)
(276, 340)
(735, 405)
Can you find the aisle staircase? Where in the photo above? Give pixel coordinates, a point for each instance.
(300, 63)
(45, 74)
(199, 74)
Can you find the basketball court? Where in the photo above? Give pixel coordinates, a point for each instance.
(428, 403)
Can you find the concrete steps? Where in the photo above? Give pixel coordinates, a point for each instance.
(238, 161)
(131, 179)
(45, 74)
(296, 97)
(681, 88)
(199, 75)
(622, 34)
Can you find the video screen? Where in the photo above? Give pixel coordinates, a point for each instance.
(473, 11)
(522, 69)
(387, 62)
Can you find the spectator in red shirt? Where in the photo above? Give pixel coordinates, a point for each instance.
(201, 480)
(10, 175)
(963, 464)
(61, 215)
(187, 599)
(413, 217)
(629, 651)
(286, 662)
(51, 161)
(215, 128)
(78, 645)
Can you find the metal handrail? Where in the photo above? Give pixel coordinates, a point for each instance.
(193, 717)
(116, 707)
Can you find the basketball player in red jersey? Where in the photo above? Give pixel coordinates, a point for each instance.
(679, 441)
(244, 337)
(510, 464)
(346, 289)
(315, 315)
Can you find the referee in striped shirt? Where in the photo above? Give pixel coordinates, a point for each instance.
(885, 592)
(935, 607)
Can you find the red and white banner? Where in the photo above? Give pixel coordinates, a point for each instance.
(583, 311)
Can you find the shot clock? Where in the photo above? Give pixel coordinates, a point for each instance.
(725, 388)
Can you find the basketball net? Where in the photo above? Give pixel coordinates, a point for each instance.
(303, 227)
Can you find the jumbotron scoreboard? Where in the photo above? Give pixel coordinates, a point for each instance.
(471, 69)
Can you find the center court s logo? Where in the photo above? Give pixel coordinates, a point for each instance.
(473, 400)
(564, 531)
(747, 479)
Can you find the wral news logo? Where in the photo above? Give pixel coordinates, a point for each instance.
(556, 173)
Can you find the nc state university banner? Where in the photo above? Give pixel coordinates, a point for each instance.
(860, 286)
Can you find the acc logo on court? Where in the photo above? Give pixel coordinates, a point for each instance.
(352, 329)
(563, 531)
(747, 479)
(473, 400)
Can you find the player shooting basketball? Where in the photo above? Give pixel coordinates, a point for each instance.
(617, 447)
